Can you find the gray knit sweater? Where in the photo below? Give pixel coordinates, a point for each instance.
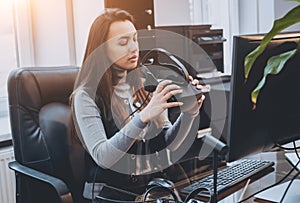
(106, 152)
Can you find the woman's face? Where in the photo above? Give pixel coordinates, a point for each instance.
(122, 45)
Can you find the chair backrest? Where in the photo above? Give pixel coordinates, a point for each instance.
(39, 114)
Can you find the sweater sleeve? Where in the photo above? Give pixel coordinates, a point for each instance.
(178, 132)
(90, 129)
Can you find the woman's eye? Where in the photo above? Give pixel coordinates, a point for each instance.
(123, 42)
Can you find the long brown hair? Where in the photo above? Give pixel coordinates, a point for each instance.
(96, 74)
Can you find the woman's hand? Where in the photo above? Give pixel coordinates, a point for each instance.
(159, 101)
(195, 109)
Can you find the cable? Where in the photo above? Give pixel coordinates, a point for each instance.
(295, 148)
(294, 168)
(289, 173)
(138, 108)
(288, 187)
(291, 181)
(286, 148)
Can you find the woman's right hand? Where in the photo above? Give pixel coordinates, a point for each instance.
(159, 101)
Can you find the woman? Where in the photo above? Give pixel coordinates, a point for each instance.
(124, 130)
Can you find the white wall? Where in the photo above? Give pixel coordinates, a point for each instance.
(257, 16)
(55, 38)
(24, 38)
(281, 8)
(50, 33)
(84, 15)
(54, 32)
(266, 15)
(171, 12)
(219, 17)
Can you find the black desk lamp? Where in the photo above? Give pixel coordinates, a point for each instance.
(219, 148)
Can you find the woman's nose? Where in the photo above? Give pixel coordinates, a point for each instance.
(133, 46)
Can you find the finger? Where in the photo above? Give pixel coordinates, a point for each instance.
(169, 88)
(201, 99)
(173, 104)
(195, 82)
(162, 85)
(172, 93)
(199, 87)
(205, 88)
(190, 78)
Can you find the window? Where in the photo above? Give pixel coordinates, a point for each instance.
(8, 60)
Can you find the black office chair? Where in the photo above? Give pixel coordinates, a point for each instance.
(39, 115)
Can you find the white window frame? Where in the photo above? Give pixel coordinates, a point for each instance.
(78, 22)
(23, 31)
(24, 56)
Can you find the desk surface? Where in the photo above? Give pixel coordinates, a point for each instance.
(282, 167)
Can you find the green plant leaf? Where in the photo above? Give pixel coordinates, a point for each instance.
(274, 65)
(291, 18)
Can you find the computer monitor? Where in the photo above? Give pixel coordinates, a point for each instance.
(276, 118)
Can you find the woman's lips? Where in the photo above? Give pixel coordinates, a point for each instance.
(133, 59)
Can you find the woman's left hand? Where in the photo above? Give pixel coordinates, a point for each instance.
(196, 108)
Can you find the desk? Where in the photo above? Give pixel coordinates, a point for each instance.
(282, 167)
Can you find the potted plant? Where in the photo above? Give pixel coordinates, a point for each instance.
(276, 63)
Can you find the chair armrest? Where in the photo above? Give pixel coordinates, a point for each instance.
(58, 185)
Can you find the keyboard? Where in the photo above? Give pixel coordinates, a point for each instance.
(231, 175)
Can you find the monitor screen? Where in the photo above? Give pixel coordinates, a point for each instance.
(276, 118)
